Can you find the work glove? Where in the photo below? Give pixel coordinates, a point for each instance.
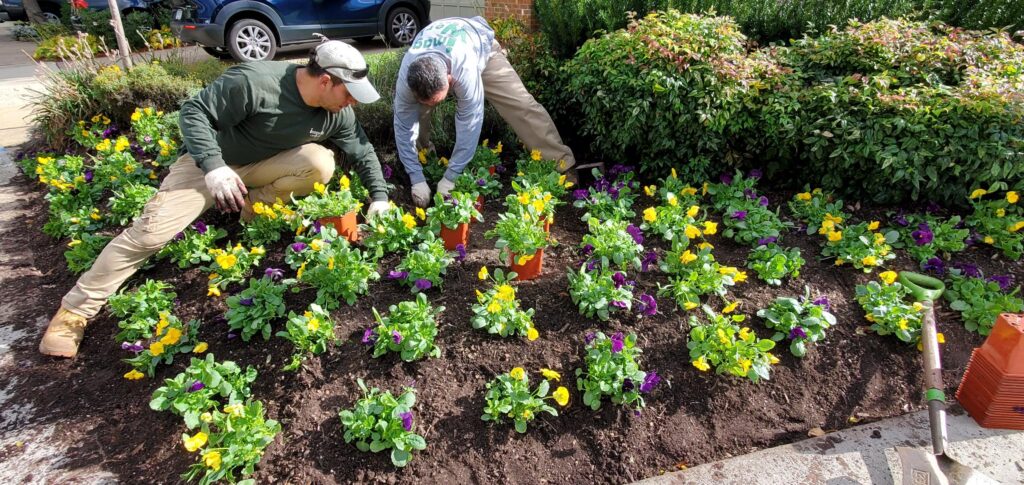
(227, 189)
(445, 186)
(377, 207)
(421, 194)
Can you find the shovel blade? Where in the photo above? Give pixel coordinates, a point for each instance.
(923, 468)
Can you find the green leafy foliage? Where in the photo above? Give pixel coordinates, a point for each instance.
(220, 380)
(329, 263)
(253, 310)
(980, 301)
(380, 421)
(600, 292)
(140, 309)
(390, 231)
(425, 267)
(409, 329)
(801, 321)
(84, 251)
(311, 333)
(611, 370)
(772, 263)
(498, 311)
(888, 311)
(192, 246)
(722, 344)
(509, 397)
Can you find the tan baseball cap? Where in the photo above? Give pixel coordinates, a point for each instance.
(347, 63)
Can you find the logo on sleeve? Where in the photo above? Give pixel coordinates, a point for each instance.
(315, 134)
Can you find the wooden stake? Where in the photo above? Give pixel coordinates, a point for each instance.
(122, 41)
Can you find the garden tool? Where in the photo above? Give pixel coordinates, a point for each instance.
(936, 468)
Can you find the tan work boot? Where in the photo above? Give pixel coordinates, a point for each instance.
(63, 335)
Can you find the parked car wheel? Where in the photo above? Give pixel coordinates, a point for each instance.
(218, 52)
(402, 26)
(251, 40)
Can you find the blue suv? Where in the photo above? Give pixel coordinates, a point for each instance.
(253, 30)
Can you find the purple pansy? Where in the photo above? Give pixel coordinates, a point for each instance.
(386, 170)
(369, 336)
(88, 175)
(619, 278)
(132, 347)
(934, 265)
(481, 182)
(179, 236)
(797, 332)
(1004, 281)
(460, 251)
(739, 215)
(650, 258)
(592, 264)
(726, 178)
(396, 337)
(196, 386)
(587, 249)
(619, 304)
(764, 241)
(274, 274)
(317, 227)
(647, 305)
(923, 235)
(580, 194)
(406, 420)
(617, 342)
(200, 227)
(650, 380)
(749, 193)
(232, 335)
(589, 337)
(901, 219)
(627, 385)
(968, 269)
(423, 284)
(636, 233)
(822, 301)
(147, 139)
(763, 201)
(398, 275)
(933, 208)
(245, 301)
(755, 174)
(298, 247)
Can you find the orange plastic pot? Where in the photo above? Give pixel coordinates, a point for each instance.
(492, 169)
(454, 237)
(346, 225)
(531, 269)
(1004, 346)
(479, 203)
(547, 223)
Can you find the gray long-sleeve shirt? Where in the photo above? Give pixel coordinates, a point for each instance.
(254, 111)
(465, 45)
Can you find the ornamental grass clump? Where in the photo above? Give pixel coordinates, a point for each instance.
(254, 309)
(140, 309)
(84, 251)
(887, 309)
(192, 246)
(202, 387)
(980, 300)
(311, 333)
(390, 231)
(379, 421)
(329, 263)
(862, 245)
(231, 265)
(772, 263)
(613, 244)
(425, 267)
(509, 397)
(170, 337)
(926, 236)
(267, 223)
(998, 221)
(721, 343)
(611, 370)
(802, 321)
(599, 292)
(694, 273)
(409, 329)
(498, 311)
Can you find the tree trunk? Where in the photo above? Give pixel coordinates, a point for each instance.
(122, 41)
(34, 12)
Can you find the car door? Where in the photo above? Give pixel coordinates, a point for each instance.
(300, 19)
(349, 18)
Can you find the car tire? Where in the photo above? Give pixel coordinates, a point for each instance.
(401, 26)
(218, 52)
(251, 40)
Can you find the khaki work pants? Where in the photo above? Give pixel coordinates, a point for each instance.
(528, 119)
(182, 198)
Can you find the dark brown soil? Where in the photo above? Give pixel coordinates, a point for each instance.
(691, 418)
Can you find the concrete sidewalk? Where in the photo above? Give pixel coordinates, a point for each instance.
(863, 455)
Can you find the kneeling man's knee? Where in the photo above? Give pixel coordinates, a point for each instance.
(317, 162)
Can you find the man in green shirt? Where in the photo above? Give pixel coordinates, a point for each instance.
(251, 136)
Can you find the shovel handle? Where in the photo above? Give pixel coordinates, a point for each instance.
(935, 395)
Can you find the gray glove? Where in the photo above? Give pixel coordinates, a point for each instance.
(227, 189)
(377, 207)
(421, 194)
(445, 186)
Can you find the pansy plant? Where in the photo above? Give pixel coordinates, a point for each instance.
(170, 337)
(773, 263)
(478, 182)
(268, 222)
(338, 271)
(721, 343)
(231, 265)
(812, 207)
(859, 245)
(885, 306)
(607, 198)
(498, 311)
(613, 244)
(451, 210)
(423, 268)
(192, 246)
(83, 251)
(328, 202)
(998, 221)
(201, 387)
(409, 329)
(674, 221)
(140, 309)
(391, 231)
(128, 201)
(380, 421)
(599, 292)
(750, 222)
(509, 397)
(611, 371)
(521, 235)
(802, 321)
(927, 236)
(542, 174)
(230, 444)
(694, 273)
(89, 132)
(733, 189)
(980, 300)
(254, 309)
(311, 333)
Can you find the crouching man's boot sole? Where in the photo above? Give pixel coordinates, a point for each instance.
(63, 335)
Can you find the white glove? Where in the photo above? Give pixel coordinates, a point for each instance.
(445, 186)
(377, 207)
(227, 189)
(421, 194)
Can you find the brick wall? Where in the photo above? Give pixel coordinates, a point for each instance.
(521, 9)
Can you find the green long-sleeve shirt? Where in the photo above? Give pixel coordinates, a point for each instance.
(254, 111)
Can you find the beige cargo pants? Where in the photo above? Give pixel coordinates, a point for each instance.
(528, 119)
(182, 198)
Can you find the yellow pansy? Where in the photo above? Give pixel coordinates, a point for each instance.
(902, 324)
(1000, 212)
(804, 196)
(689, 305)
(650, 190)
(835, 236)
(156, 348)
(730, 307)
(869, 261)
(422, 155)
(408, 220)
(258, 251)
(551, 375)
(497, 149)
(344, 182)
(693, 211)
(523, 198)
(978, 193)
(213, 291)
(538, 205)
(1017, 226)
(134, 375)
(200, 348)
(826, 227)
(672, 200)
(701, 364)
(193, 443)
(234, 409)
(687, 257)
(873, 226)
(688, 191)
(482, 274)
(772, 359)
(561, 396)
(172, 337)
(532, 334)
(313, 324)
(869, 317)
(535, 155)
(840, 262)
(518, 374)
(710, 227)
(561, 180)
(226, 261)
(705, 245)
(745, 364)
(506, 292)
(494, 307)
(330, 263)
(212, 460)
(298, 274)
(1012, 197)
(319, 188)
(917, 306)
(74, 242)
(691, 231)
(727, 270)
(835, 219)
(739, 277)
(722, 337)
(744, 333)
(673, 173)
(136, 116)
(990, 240)
(888, 277)
(316, 244)
(650, 214)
